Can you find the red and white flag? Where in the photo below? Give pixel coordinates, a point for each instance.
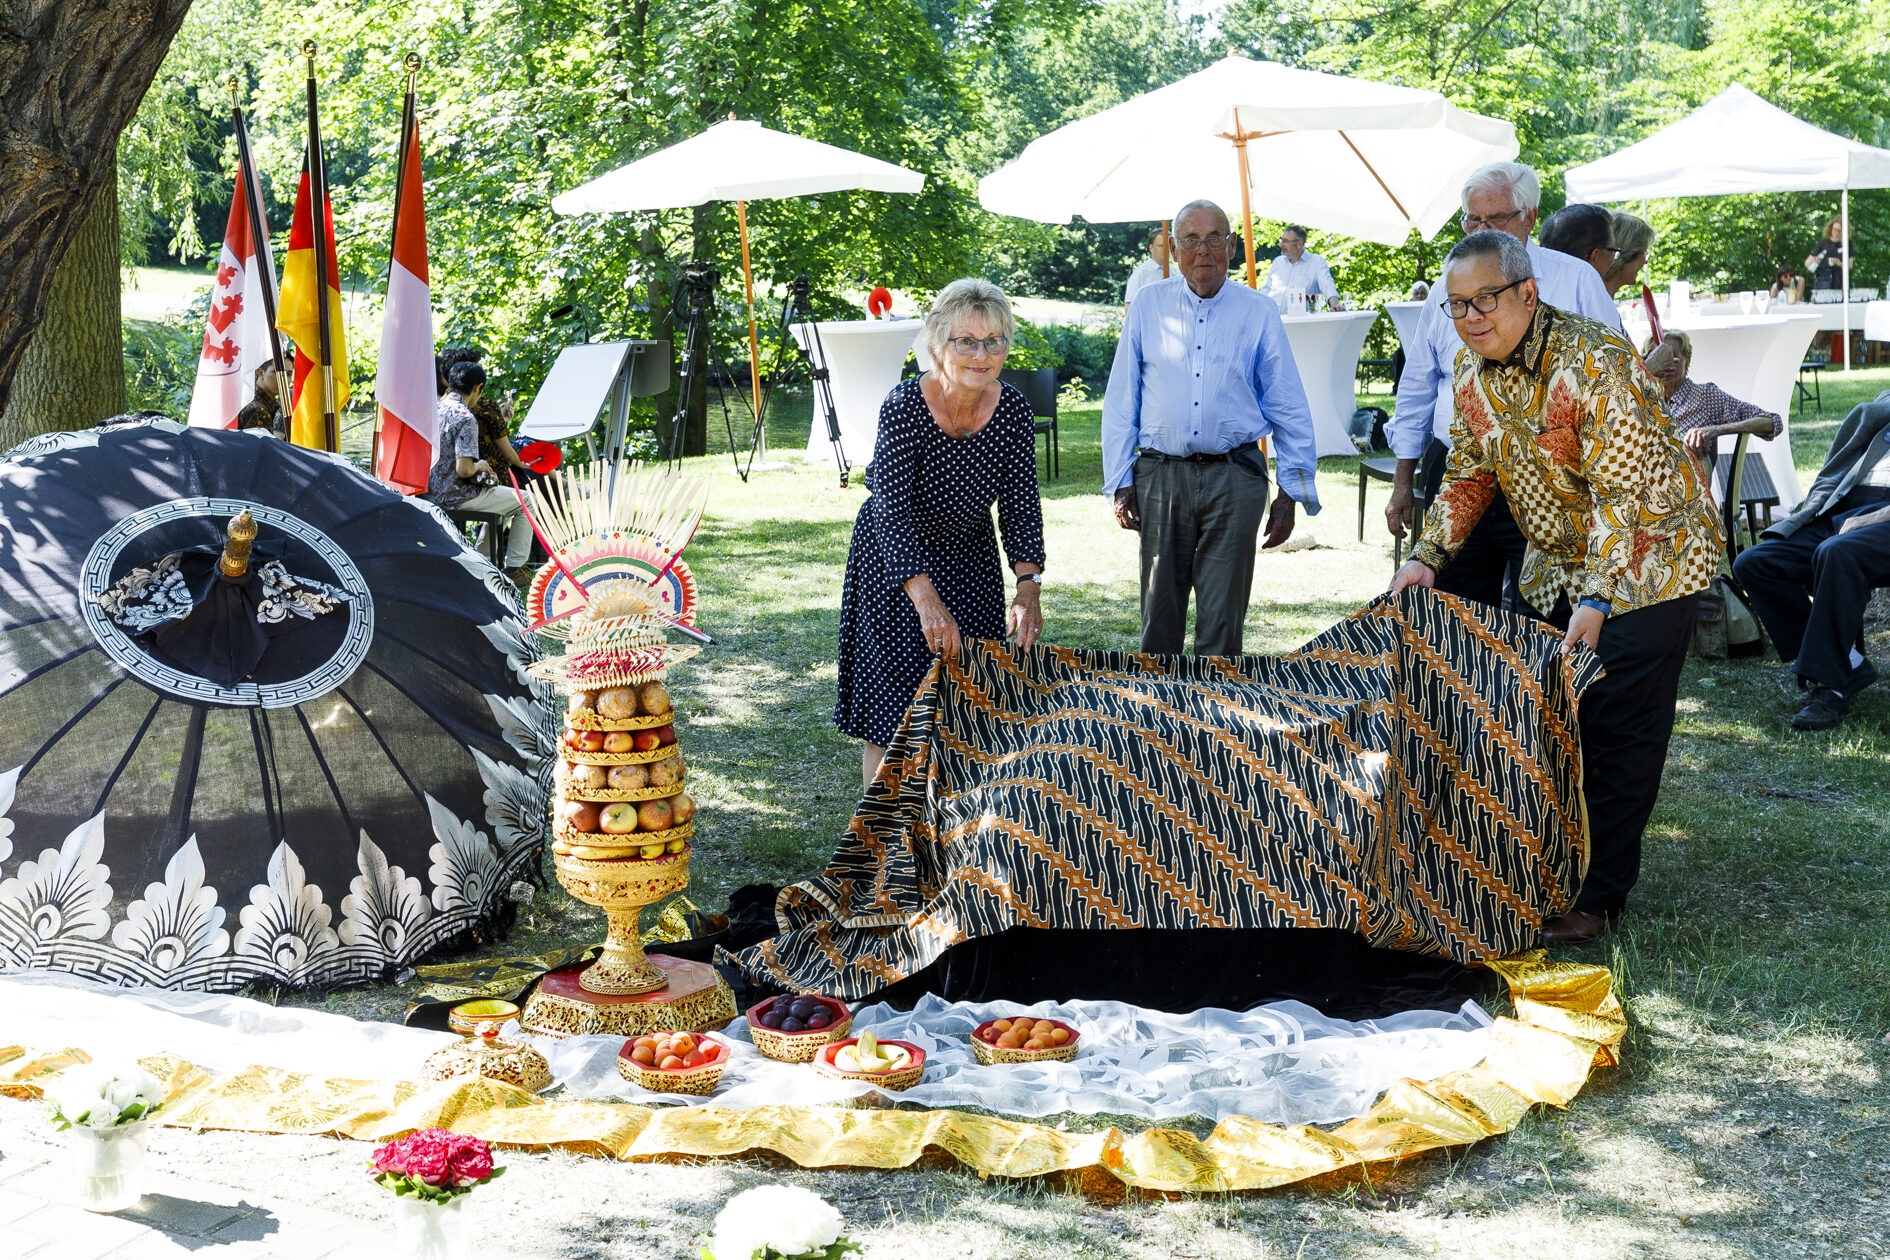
(236, 337)
(405, 380)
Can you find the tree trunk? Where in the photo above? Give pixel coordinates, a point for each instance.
(72, 75)
(72, 374)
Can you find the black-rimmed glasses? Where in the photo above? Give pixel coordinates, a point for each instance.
(1482, 303)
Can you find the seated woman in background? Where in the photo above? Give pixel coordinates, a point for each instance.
(1703, 412)
(1632, 237)
(1788, 281)
(923, 572)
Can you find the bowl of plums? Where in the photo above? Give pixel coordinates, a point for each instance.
(793, 1027)
(1023, 1039)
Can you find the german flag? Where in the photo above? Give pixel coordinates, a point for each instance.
(298, 316)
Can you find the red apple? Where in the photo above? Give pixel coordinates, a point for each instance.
(647, 741)
(587, 741)
(653, 815)
(618, 742)
(681, 808)
(618, 819)
(665, 735)
(578, 815)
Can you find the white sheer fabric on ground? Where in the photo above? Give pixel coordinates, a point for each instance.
(1284, 1063)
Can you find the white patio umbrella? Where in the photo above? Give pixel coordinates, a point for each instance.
(1739, 143)
(738, 161)
(1372, 160)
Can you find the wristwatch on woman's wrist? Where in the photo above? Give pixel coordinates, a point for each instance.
(1031, 577)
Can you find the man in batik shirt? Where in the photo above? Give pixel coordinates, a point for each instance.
(1559, 412)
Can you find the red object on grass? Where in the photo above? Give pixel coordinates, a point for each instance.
(879, 302)
(541, 457)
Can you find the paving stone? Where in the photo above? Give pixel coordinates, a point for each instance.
(74, 1234)
(14, 1205)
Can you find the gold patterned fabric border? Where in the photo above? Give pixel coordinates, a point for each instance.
(1568, 1021)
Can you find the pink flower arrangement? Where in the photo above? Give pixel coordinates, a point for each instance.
(433, 1164)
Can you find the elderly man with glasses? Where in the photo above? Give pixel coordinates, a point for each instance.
(1203, 373)
(1559, 413)
(1503, 197)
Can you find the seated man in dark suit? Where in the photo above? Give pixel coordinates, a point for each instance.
(1812, 575)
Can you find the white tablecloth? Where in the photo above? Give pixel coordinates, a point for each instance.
(1326, 349)
(1877, 321)
(1756, 358)
(865, 357)
(1830, 314)
(1404, 317)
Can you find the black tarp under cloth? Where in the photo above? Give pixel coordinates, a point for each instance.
(369, 789)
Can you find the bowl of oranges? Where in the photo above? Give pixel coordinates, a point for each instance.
(1023, 1039)
(674, 1062)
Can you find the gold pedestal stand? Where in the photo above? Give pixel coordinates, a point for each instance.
(626, 993)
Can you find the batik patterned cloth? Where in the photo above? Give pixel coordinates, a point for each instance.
(1571, 427)
(1413, 775)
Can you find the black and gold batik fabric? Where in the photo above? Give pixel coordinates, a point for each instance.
(1413, 775)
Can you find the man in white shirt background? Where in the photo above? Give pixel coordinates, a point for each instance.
(1150, 269)
(1502, 197)
(1295, 270)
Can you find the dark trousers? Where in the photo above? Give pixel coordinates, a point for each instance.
(1626, 720)
(1487, 568)
(1810, 590)
(1200, 527)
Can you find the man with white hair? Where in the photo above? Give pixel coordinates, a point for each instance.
(1202, 375)
(1502, 197)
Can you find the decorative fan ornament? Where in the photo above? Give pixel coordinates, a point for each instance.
(561, 588)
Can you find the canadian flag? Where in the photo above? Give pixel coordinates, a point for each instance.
(405, 385)
(236, 334)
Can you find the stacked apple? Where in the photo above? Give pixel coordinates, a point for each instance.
(586, 771)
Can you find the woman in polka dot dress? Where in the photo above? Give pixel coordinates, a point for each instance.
(923, 571)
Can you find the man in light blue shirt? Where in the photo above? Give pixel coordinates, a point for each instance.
(1502, 197)
(1203, 373)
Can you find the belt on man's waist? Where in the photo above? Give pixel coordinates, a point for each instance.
(1198, 457)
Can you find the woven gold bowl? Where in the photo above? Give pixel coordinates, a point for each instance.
(628, 841)
(991, 1054)
(905, 1078)
(589, 720)
(604, 795)
(798, 1047)
(589, 758)
(700, 1080)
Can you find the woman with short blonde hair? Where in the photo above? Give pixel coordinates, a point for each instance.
(923, 572)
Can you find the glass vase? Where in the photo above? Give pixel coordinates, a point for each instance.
(429, 1229)
(107, 1165)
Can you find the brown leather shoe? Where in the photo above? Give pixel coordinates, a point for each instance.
(1577, 927)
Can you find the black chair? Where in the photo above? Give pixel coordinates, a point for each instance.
(1039, 387)
(1744, 485)
(485, 530)
(1816, 389)
(1385, 470)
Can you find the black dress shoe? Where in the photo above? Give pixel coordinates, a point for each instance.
(1861, 677)
(1822, 712)
(1577, 927)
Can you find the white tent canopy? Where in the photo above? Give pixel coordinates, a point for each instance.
(1735, 143)
(1739, 143)
(1372, 160)
(737, 160)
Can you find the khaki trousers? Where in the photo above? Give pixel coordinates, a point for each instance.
(1200, 529)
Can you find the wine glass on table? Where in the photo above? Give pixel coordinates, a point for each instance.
(1745, 302)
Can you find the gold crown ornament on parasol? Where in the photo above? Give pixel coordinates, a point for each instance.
(614, 591)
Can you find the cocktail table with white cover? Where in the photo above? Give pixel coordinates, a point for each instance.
(1404, 318)
(864, 357)
(1326, 349)
(1755, 358)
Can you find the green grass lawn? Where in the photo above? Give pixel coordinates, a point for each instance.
(1751, 1116)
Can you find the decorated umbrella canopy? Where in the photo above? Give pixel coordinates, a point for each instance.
(312, 770)
(739, 161)
(1372, 160)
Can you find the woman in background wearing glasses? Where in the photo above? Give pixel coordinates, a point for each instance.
(923, 573)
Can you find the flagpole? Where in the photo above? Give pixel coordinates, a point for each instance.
(259, 237)
(318, 212)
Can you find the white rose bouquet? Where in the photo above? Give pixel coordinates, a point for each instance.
(778, 1223)
(102, 1096)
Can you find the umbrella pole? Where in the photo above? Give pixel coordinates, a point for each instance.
(1844, 210)
(1246, 197)
(754, 339)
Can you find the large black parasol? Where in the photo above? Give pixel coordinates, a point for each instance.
(312, 774)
